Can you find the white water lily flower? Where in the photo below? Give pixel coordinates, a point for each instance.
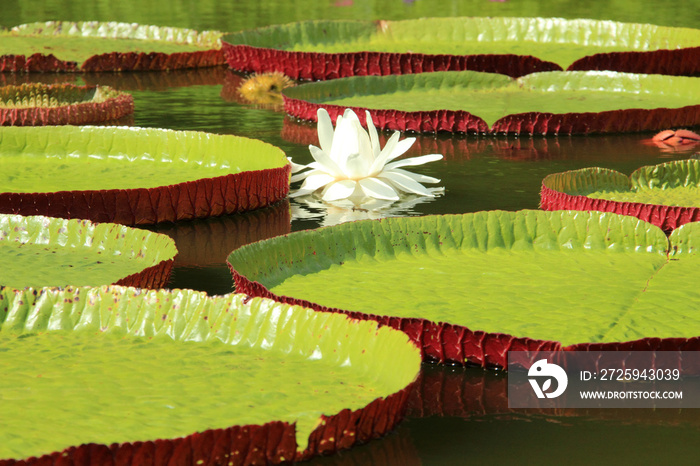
(351, 165)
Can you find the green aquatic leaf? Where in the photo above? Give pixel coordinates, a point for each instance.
(80, 42)
(91, 158)
(566, 276)
(61, 104)
(42, 251)
(667, 195)
(673, 183)
(557, 40)
(136, 175)
(114, 365)
(590, 97)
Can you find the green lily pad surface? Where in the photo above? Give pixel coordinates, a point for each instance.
(42, 251)
(136, 175)
(547, 103)
(60, 104)
(114, 366)
(97, 46)
(331, 49)
(495, 280)
(667, 194)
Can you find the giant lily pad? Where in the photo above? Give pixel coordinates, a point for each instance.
(185, 378)
(42, 251)
(64, 104)
(470, 287)
(318, 50)
(540, 103)
(97, 46)
(667, 195)
(136, 175)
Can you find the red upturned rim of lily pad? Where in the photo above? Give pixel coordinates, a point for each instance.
(77, 105)
(314, 66)
(554, 196)
(616, 121)
(208, 197)
(270, 443)
(455, 344)
(115, 61)
(201, 198)
(664, 50)
(660, 102)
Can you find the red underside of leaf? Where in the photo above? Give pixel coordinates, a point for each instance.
(616, 121)
(681, 62)
(154, 277)
(133, 61)
(208, 197)
(115, 61)
(512, 148)
(320, 66)
(35, 62)
(454, 344)
(270, 443)
(665, 217)
(76, 114)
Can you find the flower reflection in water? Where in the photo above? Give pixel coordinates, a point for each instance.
(341, 211)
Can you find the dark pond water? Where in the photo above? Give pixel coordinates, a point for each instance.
(459, 415)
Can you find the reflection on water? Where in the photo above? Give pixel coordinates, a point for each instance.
(460, 415)
(208, 242)
(157, 80)
(325, 214)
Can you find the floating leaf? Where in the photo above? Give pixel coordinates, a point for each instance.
(540, 103)
(317, 50)
(214, 379)
(61, 104)
(136, 175)
(98, 46)
(471, 287)
(42, 251)
(667, 195)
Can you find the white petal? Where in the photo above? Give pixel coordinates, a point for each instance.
(373, 136)
(340, 190)
(415, 176)
(381, 160)
(325, 129)
(405, 183)
(298, 177)
(296, 167)
(315, 181)
(324, 161)
(366, 149)
(346, 143)
(350, 115)
(413, 161)
(378, 189)
(401, 148)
